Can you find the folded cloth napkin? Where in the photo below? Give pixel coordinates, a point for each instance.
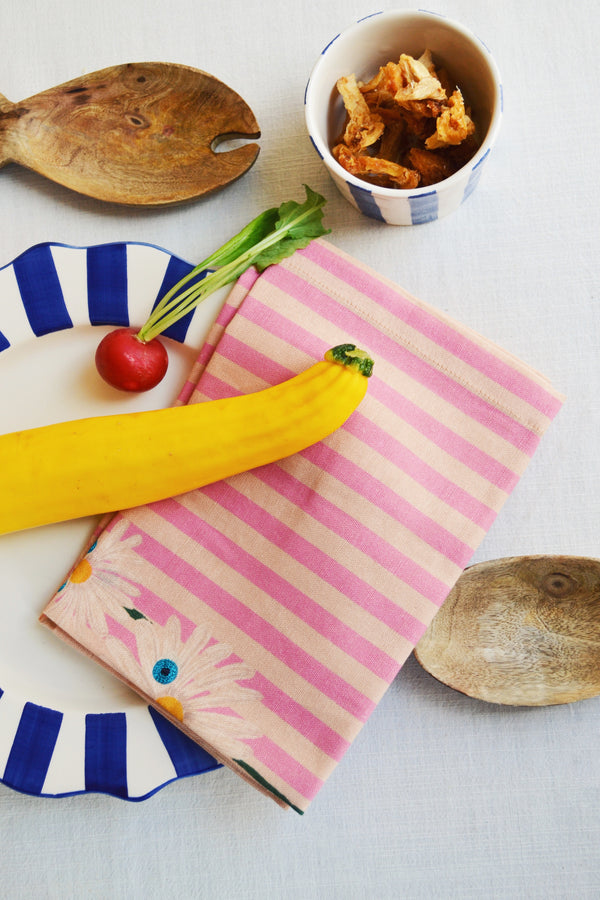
(267, 614)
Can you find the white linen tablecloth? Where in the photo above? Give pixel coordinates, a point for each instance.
(441, 796)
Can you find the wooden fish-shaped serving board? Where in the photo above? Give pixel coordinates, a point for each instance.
(136, 134)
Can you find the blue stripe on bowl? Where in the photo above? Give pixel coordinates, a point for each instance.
(474, 176)
(327, 46)
(4, 343)
(45, 308)
(315, 146)
(424, 208)
(365, 202)
(107, 284)
(187, 757)
(106, 753)
(370, 16)
(32, 748)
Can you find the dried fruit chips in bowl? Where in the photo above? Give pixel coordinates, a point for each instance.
(406, 127)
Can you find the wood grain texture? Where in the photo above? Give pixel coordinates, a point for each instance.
(522, 631)
(136, 134)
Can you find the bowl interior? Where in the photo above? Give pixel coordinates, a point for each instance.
(373, 42)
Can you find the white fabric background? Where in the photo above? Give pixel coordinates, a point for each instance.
(441, 796)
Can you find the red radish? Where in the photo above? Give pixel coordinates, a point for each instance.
(130, 364)
(136, 361)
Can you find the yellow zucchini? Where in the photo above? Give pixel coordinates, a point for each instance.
(104, 463)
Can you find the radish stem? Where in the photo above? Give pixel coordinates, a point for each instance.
(270, 237)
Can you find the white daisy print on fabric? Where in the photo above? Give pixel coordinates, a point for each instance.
(191, 681)
(99, 585)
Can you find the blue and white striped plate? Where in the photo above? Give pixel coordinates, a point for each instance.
(66, 726)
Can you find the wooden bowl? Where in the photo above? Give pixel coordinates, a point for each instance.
(523, 631)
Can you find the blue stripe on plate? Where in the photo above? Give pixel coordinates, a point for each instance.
(187, 757)
(107, 284)
(365, 202)
(106, 753)
(40, 290)
(105, 745)
(424, 208)
(176, 270)
(32, 748)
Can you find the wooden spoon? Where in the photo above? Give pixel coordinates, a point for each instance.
(523, 631)
(138, 134)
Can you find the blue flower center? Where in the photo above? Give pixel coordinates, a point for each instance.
(165, 671)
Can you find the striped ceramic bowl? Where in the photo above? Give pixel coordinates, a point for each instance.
(364, 47)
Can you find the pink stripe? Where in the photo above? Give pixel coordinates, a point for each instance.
(434, 482)
(275, 586)
(460, 345)
(449, 441)
(285, 707)
(441, 487)
(462, 450)
(373, 490)
(258, 629)
(299, 718)
(442, 436)
(426, 374)
(357, 534)
(205, 354)
(251, 359)
(226, 314)
(186, 392)
(248, 278)
(224, 317)
(329, 570)
(286, 767)
(215, 388)
(394, 505)
(424, 527)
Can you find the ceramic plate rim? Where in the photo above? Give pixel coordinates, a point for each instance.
(38, 724)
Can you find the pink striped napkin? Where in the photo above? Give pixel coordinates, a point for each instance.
(266, 615)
